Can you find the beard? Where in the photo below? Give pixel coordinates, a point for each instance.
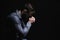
(25, 17)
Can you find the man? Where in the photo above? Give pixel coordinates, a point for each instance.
(18, 18)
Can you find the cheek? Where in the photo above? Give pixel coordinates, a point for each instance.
(25, 18)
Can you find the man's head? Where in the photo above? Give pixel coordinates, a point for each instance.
(27, 11)
(24, 11)
(26, 15)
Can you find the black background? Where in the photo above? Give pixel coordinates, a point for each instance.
(41, 29)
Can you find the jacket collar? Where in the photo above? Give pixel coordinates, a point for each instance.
(18, 14)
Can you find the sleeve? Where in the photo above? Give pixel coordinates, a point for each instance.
(27, 27)
(17, 23)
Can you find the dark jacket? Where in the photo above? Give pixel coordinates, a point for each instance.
(15, 29)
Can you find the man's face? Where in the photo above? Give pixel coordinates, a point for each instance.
(25, 15)
(24, 11)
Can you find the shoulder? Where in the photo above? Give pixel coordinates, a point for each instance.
(12, 14)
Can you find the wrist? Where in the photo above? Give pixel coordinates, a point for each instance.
(29, 22)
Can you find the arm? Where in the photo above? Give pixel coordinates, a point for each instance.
(27, 27)
(17, 22)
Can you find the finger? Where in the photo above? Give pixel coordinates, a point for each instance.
(33, 17)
